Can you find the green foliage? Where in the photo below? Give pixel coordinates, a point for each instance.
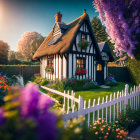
(101, 35)
(44, 82)
(99, 30)
(134, 69)
(108, 131)
(83, 44)
(79, 85)
(110, 81)
(4, 47)
(27, 71)
(130, 119)
(74, 130)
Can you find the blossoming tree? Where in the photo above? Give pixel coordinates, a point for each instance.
(122, 20)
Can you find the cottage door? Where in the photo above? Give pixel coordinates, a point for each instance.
(100, 73)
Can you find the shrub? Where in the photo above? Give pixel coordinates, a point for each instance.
(37, 79)
(112, 131)
(110, 81)
(44, 82)
(129, 119)
(78, 85)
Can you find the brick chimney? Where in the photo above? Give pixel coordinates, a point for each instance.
(58, 17)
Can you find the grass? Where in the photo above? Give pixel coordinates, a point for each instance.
(101, 92)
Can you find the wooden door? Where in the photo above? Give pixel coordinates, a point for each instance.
(100, 73)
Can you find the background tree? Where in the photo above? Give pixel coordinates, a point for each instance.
(122, 21)
(29, 43)
(4, 47)
(11, 55)
(99, 30)
(101, 35)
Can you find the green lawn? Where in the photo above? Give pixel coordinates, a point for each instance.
(101, 92)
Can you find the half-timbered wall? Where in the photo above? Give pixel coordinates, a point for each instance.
(65, 65)
(88, 55)
(58, 72)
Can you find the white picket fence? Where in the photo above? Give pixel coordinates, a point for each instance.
(107, 109)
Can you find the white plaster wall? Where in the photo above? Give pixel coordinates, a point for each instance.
(74, 64)
(64, 67)
(70, 65)
(90, 66)
(56, 66)
(59, 58)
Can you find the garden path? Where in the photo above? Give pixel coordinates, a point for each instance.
(135, 135)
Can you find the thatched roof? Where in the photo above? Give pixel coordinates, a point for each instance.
(65, 41)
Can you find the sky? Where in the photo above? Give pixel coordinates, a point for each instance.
(19, 16)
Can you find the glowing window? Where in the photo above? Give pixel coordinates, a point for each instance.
(81, 63)
(99, 67)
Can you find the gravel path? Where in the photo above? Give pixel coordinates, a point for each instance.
(134, 135)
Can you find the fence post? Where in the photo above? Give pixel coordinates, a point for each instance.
(80, 106)
(126, 96)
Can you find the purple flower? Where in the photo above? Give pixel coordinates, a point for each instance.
(44, 102)
(37, 106)
(86, 83)
(2, 118)
(30, 96)
(46, 127)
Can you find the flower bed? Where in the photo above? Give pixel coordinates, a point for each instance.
(81, 71)
(67, 84)
(130, 119)
(5, 84)
(108, 131)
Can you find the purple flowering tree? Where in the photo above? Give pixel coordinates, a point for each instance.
(122, 21)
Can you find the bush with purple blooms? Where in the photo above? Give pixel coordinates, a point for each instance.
(26, 115)
(110, 81)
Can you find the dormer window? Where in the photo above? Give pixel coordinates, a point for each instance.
(58, 29)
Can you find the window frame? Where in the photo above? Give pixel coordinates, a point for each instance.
(84, 62)
(99, 67)
(50, 61)
(83, 38)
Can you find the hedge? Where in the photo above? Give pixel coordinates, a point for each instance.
(27, 71)
(121, 74)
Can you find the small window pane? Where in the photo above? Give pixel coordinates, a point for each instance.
(99, 67)
(81, 63)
